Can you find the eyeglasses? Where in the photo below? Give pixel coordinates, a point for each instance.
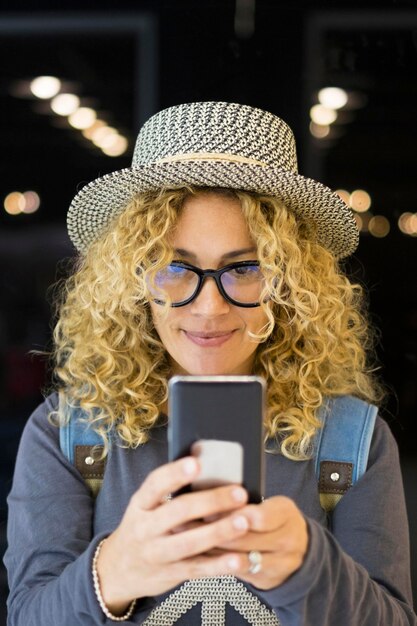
(239, 283)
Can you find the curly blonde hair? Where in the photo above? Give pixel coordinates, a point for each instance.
(110, 362)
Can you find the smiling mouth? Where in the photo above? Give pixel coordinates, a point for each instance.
(207, 334)
(209, 339)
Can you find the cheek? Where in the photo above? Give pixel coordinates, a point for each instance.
(255, 319)
(162, 321)
(158, 318)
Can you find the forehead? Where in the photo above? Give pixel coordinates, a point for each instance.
(211, 219)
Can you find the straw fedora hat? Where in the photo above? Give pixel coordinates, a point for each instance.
(215, 144)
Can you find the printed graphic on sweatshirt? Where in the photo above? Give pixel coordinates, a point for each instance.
(213, 594)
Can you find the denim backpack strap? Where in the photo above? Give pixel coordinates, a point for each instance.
(83, 447)
(342, 446)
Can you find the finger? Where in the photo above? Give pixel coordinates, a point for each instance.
(196, 506)
(273, 572)
(164, 480)
(254, 541)
(279, 527)
(271, 515)
(184, 527)
(220, 564)
(198, 540)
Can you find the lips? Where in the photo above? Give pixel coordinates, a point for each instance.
(209, 333)
(211, 338)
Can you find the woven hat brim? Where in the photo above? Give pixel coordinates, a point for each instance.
(96, 204)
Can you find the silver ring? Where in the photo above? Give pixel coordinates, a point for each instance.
(255, 560)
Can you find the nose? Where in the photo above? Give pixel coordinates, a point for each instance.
(210, 302)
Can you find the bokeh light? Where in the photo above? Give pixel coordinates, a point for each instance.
(362, 221)
(89, 132)
(45, 87)
(412, 223)
(16, 202)
(322, 115)
(101, 135)
(111, 139)
(32, 202)
(65, 104)
(319, 131)
(84, 117)
(407, 223)
(68, 105)
(333, 97)
(360, 200)
(118, 146)
(379, 226)
(344, 195)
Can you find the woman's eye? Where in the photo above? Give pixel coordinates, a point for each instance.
(172, 272)
(175, 270)
(251, 271)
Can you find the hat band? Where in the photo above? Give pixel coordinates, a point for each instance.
(210, 156)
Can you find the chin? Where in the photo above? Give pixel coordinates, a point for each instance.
(214, 369)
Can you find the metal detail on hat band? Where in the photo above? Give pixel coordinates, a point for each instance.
(210, 156)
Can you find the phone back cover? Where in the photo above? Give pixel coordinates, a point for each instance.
(225, 408)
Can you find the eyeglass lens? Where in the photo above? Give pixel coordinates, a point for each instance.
(242, 284)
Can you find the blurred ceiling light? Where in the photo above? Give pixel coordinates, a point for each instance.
(413, 224)
(89, 132)
(322, 115)
(84, 117)
(14, 203)
(333, 97)
(32, 202)
(110, 140)
(45, 87)
(403, 222)
(319, 131)
(101, 134)
(360, 200)
(117, 148)
(379, 226)
(65, 104)
(344, 195)
(407, 223)
(362, 221)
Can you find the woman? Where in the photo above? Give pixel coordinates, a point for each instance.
(212, 186)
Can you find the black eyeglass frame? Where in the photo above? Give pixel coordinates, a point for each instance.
(216, 274)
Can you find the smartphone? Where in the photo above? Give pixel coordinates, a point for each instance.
(220, 420)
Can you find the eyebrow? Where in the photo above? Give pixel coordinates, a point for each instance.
(228, 255)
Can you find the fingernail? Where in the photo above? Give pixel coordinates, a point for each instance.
(233, 562)
(239, 494)
(240, 522)
(189, 467)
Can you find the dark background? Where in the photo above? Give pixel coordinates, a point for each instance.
(131, 59)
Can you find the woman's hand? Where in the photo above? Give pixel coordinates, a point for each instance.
(278, 531)
(160, 544)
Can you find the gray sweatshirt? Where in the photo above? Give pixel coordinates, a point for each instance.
(357, 573)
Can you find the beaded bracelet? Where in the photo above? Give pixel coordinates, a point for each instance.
(97, 590)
